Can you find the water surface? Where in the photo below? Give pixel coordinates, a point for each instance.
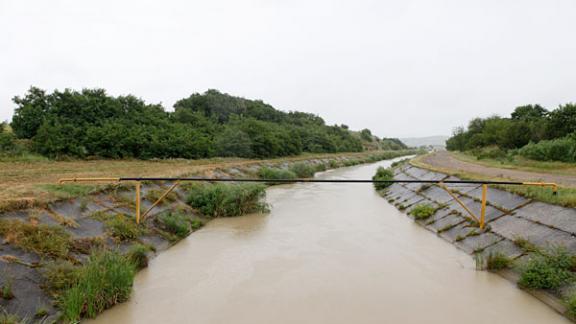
(326, 253)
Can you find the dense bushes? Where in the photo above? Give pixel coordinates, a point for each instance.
(91, 123)
(538, 133)
(561, 149)
(223, 200)
(383, 174)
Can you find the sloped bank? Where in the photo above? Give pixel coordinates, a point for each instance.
(521, 234)
(42, 249)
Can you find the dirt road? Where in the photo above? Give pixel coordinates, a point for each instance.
(446, 161)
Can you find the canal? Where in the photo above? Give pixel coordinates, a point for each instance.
(326, 253)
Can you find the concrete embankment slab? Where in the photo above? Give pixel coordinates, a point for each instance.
(512, 220)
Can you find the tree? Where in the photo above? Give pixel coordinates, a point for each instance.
(30, 113)
(233, 142)
(366, 135)
(562, 121)
(528, 112)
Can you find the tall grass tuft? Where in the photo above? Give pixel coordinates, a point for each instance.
(104, 281)
(224, 200)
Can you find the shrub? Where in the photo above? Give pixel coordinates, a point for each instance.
(383, 174)
(320, 167)
(45, 240)
(275, 174)
(105, 280)
(422, 211)
(489, 152)
(138, 255)
(223, 200)
(303, 170)
(561, 149)
(547, 270)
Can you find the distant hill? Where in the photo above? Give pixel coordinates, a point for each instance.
(425, 141)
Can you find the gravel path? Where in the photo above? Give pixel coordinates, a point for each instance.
(445, 160)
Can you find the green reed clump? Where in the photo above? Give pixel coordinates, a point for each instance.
(225, 200)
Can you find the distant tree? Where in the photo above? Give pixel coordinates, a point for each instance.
(562, 121)
(30, 113)
(366, 134)
(529, 112)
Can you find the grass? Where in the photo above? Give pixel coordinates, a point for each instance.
(154, 194)
(224, 200)
(138, 255)
(548, 269)
(41, 312)
(121, 227)
(70, 190)
(104, 281)
(179, 224)
(520, 163)
(6, 318)
(422, 211)
(45, 240)
(7, 292)
(525, 245)
(497, 261)
(60, 276)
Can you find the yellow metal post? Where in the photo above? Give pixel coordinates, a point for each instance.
(483, 209)
(138, 202)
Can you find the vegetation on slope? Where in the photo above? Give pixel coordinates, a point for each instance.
(531, 131)
(383, 174)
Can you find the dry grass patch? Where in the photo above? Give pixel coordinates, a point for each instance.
(45, 240)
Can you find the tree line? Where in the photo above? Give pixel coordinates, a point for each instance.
(531, 131)
(91, 123)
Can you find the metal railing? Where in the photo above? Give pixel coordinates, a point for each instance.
(479, 219)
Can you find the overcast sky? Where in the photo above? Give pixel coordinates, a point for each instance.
(400, 68)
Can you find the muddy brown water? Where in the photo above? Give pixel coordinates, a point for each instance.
(326, 253)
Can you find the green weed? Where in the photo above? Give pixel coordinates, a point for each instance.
(422, 211)
(547, 270)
